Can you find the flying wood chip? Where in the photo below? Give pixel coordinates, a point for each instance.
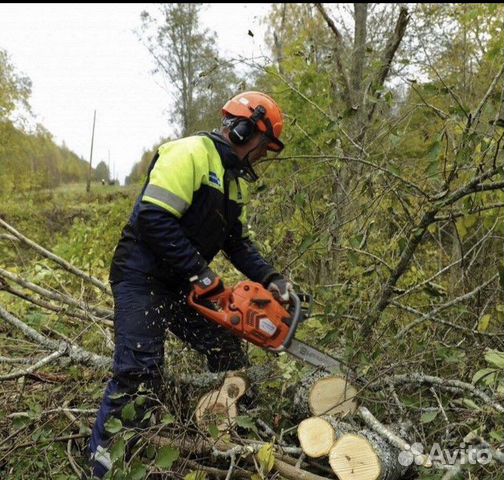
(250, 33)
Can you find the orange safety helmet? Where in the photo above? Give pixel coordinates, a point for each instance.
(262, 111)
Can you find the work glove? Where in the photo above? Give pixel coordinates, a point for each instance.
(280, 287)
(206, 284)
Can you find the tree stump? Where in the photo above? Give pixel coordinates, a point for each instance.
(220, 406)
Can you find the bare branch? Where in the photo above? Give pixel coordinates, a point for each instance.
(359, 50)
(362, 161)
(446, 305)
(63, 263)
(347, 96)
(75, 352)
(59, 297)
(443, 383)
(35, 366)
(371, 421)
(54, 308)
(485, 98)
(445, 322)
(388, 55)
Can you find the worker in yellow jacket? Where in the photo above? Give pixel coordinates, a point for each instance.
(193, 205)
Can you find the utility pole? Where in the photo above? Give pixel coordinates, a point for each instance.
(108, 168)
(88, 186)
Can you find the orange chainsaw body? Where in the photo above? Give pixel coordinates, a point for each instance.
(251, 312)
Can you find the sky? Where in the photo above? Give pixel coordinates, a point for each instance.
(82, 57)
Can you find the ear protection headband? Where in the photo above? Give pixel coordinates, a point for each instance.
(242, 129)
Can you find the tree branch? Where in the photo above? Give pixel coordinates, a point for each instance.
(491, 88)
(35, 366)
(74, 352)
(443, 383)
(54, 308)
(59, 297)
(388, 55)
(338, 44)
(63, 263)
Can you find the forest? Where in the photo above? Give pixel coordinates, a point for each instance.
(386, 207)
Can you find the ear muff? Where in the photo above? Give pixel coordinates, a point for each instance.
(242, 129)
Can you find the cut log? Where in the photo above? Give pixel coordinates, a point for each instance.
(316, 437)
(365, 455)
(323, 394)
(317, 434)
(220, 406)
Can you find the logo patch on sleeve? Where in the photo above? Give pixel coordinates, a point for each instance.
(214, 178)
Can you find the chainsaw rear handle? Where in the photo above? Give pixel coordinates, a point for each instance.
(221, 299)
(296, 320)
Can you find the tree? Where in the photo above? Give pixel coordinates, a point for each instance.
(186, 55)
(102, 172)
(15, 88)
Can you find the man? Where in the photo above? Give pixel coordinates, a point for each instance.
(191, 207)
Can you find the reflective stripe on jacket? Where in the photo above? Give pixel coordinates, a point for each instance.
(192, 206)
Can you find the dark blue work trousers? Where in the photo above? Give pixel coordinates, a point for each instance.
(142, 314)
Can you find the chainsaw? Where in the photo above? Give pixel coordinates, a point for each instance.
(251, 312)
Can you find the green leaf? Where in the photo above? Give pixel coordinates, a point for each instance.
(166, 456)
(84, 429)
(470, 220)
(352, 258)
(246, 422)
(428, 417)
(128, 435)
(307, 243)
(115, 396)
(128, 413)
(488, 375)
(137, 472)
(495, 358)
(213, 431)
(470, 404)
(266, 457)
(434, 151)
(497, 436)
(356, 240)
(113, 425)
(168, 419)
(198, 475)
(500, 268)
(483, 323)
(117, 451)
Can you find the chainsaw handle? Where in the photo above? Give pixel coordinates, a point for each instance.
(220, 298)
(296, 320)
